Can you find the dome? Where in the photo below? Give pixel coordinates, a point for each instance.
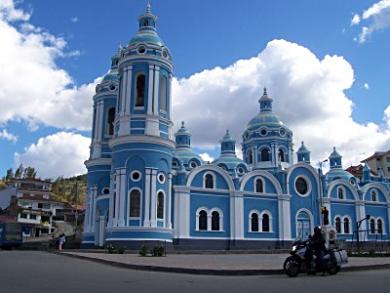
(264, 119)
(112, 75)
(231, 163)
(339, 173)
(152, 39)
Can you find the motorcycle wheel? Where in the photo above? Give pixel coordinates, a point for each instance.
(291, 267)
(333, 269)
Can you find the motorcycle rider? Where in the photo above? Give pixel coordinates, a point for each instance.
(317, 243)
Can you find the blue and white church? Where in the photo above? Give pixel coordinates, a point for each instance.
(146, 185)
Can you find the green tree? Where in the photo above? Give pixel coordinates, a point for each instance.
(29, 173)
(10, 175)
(19, 172)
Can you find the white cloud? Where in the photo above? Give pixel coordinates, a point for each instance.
(355, 19)
(206, 157)
(60, 154)
(366, 86)
(376, 17)
(387, 116)
(10, 13)
(309, 96)
(33, 88)
(4, 134)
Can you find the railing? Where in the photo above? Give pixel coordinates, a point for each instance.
(372, 241)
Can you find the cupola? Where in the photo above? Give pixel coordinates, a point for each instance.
(303, 154)
(335, 159)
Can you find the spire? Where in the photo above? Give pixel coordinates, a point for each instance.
(149, 8)
(147, 21)
(228, 144)
(303, 153)
(335, 159)
(265, 102)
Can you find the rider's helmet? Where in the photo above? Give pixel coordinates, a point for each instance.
(317, 229)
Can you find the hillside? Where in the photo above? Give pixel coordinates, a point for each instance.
(71, 190)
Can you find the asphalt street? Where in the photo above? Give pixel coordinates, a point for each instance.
(33, 271)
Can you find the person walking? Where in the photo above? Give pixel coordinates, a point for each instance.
(61, 241)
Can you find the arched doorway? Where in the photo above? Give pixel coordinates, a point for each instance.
(303, 223)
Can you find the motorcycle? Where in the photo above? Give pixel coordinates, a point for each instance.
(303, 260)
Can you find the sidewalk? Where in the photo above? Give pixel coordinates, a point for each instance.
(216, 264)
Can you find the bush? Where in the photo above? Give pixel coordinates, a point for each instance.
(114, 250)
(158, 251)
(143, 251)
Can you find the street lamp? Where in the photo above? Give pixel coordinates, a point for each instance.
(323, 211)
(358, 224)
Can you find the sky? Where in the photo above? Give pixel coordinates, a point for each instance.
(325, 64)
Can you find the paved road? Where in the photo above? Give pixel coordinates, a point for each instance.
(24, 271)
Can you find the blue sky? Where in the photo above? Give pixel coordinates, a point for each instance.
(203, 35)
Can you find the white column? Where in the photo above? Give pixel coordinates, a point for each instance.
(156, 107)
(360, 214)
(147, 197)
(237, 215)
(101, 122)
(168, 210)
(169, 100)
(150, 90)
(284, 217)
(123, 91)
(111, 204)
(182, 212)
(128, 90)
(87, 227)
(117, 194)
(153, 199)
(122, 198)
(94, 195)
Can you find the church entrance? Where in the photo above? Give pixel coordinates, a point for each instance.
(303, 225)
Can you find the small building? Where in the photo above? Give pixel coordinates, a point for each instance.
(379, 162)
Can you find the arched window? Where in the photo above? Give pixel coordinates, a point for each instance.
(379, 226)
(160, 205)
(209, 181)
(163, 93)
(338, 225)
(373, 196)
(215, 221)
(346, 225)
(255, 222)
(372, 226)
(259, 185)
(202, 220)
(110, 120)
(264, 155)
(281, 155)
(135, 203)
(265, 225)
(140, 99)
(340, 193)
(250, 157)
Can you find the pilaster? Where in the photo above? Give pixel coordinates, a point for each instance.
(148, 172)
(153, 199)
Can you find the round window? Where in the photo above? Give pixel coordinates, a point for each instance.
(263, 132)
(141, 49)
(106, 190)
(112, 87)
(301, 186)
(165, 53)
(193, 164)
(282, 131)
(161, 178)
(240, 170)
(135, 176)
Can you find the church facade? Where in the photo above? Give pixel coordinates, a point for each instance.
(146, 185)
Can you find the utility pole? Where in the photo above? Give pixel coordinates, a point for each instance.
(75, 211)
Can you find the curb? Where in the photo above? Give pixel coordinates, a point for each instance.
(215, 272)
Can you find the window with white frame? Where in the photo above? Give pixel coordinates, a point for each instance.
(249, 157)
(338, 224)
(347, 223)
(140, 90)
(254, 222)
(374, 195)
(160, 205)
(135, 203)
(110, 120)
(266, 221)
(163, 93)
(340, 192)
(265, 155)
(202, 220)
(379, 226)
(372, 226)
(208, 181)
(215, 221)
(259, 185)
